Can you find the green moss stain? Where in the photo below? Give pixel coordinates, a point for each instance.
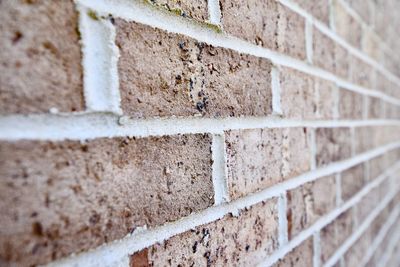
(92, 14)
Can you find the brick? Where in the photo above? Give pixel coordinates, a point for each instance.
(329, 55)
(195, 9)
(307, 203)
(376, 108)
(350, 105)
(371, 44)
(40, 58)
(333, 144)
(362, 8)
(390, 111)
(272, 25)
(377, 166)
(352, 181)
(357, 252)
(334, 234)
(345, 25)
(69, 196)
(300, 256)
(367, 204)
(369, 137)
(361, 73)
(182, 77)
(317, 8)
(259, 158)
(231, 241)
(306, 97)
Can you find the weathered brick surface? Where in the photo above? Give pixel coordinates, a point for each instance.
(231, 241)
(65, 197)
(306, 97)
(333, 144)
(196, 9)
(272, 25)
(180, 76)
(259, 158)
(308, 203)
(301, 256)
(329, 55)
(317, 8)
(350, 105)
(335, 233)
(352, 181)
(40, 58)
(345, 25)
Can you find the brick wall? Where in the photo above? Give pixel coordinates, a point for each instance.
(195, 133)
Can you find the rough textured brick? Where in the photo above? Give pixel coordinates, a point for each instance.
(196, 9)
(306, 97)
(232, 241)
(361, 73)
(301, 256)
(259, 158)
(333, 144)
(272, 25)
(350, 105)
(335, 233)
(66, 197)
(308, 203)
(317, 8)
(181, 77)
(329, 55)
(352, 181)
(345, 25)
(40, 58)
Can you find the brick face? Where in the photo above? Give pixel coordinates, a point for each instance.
(345, 25)
(183, 77)
(318, 8)
(234, 241)
(352, 181)
(68, 197)
(40, 58)
(333, 144)
(350, 105)
(257, 159)
(301, 256)
(196, 9)
(272, 25)
(308, 203)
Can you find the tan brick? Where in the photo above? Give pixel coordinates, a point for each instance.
(64, 197)
(333, 144)
(40, 58)
(361, 73)
(301, 256)
(390, 111)
(376, 108)
(272, 25)
(181, 77)
(306, 204)
(350, 105)
(371, 44)
(377, 166)
(306, 97)
(335, 233)
(367, 204)
(259, 158)
(345, 25)
(195, 9)
(357, 251)
(232, 241)
(317, 8)
(352, 181)
(329, 55)
(370, 137)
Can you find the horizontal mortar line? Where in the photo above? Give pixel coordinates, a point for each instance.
(142, 238)
(322, 222)
(360, 230)
(392, 244)
(379, 238)
(96, 125)
(338, 39)
(143, 13)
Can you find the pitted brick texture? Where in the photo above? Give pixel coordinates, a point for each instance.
(272, 25)
(259, 158)
(196, 9)
(183, 77)
(231, 241)
(66, 197)
(301, 256)
(40, 58)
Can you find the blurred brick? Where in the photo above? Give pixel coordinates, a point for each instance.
(259, 158)
(333, 144)
(317, 8)
(350, 105)
(352, 181)
(345, 25)
(300, 256)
